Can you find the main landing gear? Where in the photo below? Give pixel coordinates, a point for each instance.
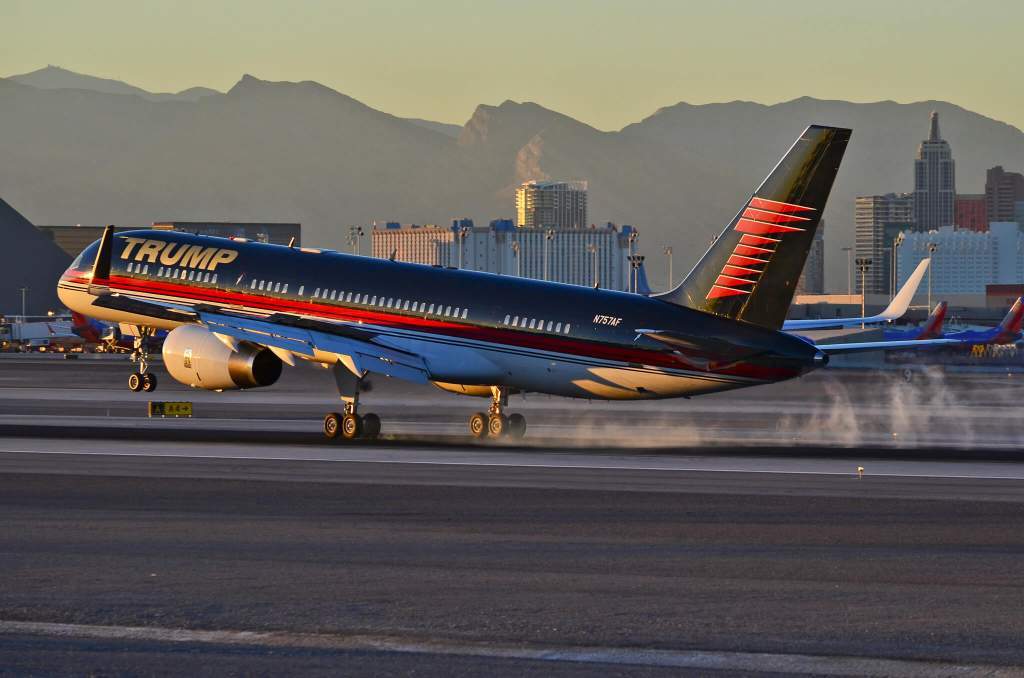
(349, 425)
(143, 380)
(495, 424)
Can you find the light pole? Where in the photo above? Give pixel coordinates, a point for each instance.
(549, 235)
(355, 236)
(863, 265)
(668, 253)
(931, 265)
(592, 248)
(897, 241)
(635, 262)
(460, 235)
(849, 271)
(515, 253)
(24, 292)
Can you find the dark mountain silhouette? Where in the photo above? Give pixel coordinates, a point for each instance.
(303, 152)
(28, 259)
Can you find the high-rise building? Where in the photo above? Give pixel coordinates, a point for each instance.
(934, 181)
(964, 262)
(970, 212)
(1002, 190)
(879, 219)
(812, 278)
(551, 204)
(578, 256)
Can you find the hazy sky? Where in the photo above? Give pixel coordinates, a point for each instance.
(606, 63)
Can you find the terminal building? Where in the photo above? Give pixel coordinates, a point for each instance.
(595, 256)
(73, 239)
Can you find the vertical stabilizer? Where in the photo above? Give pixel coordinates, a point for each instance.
(750, 271)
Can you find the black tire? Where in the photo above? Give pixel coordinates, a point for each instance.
(497, 426)
(149, 382)
(135, 382)
(516, 426)
(351, 426)
(371, 426)
(332, 425)
(478, 425)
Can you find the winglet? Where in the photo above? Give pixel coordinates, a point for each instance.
(101, 267)
(901, 302)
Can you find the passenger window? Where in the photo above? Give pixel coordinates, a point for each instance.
(567, 326)
(277, 287)
(191, 274)
(558, 328)
(301, 289)
(284, 290)
(448, 310)
(260, 285)
(515, 322)
(332, 294)
(548, 328)
(316, 293)
(213, 280)
(406, 306)
(129, 267)
(431, 310)
(507, 318)
(532, 323)
(349, 297)
(465, 312)
(373, 302)
(456, 311)
(145, 269)
(390, 299)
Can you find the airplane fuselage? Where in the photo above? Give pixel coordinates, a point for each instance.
(472, 329)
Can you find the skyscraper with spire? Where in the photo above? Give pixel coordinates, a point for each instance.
(934, 181)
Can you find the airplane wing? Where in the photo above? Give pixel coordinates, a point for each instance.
(898, 306)
(359, 350)
(862, 346)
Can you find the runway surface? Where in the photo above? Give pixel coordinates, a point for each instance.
(239, 543)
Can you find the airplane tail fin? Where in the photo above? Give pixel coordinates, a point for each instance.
(1010, 328)
(750, 271)
(933, 325)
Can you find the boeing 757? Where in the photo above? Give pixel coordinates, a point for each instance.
(237, 311)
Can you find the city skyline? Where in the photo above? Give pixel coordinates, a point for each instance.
(439, 61)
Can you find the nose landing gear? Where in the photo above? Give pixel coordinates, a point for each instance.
(495, 424)
(142, 380)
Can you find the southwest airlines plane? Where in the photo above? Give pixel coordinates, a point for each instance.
(237, 311)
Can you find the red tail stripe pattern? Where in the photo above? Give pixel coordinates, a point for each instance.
(773, 217)
(776, 206)
(755, 248)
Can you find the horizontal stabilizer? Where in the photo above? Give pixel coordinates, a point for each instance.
(863, 346)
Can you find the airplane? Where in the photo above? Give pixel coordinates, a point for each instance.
(1008, 331)
(932, 328)
(237, 311)
(110, 336)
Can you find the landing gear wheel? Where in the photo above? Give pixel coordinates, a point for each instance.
(351, 426)
(371, 426)
(135, 382)
(497, 425)
(516, 425)
(149, 382)
(332, 425)
(478, 424)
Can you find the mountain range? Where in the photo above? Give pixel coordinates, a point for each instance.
(78, 149)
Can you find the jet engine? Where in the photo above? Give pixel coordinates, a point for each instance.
(197, 358)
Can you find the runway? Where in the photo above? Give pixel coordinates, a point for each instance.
(239, 542)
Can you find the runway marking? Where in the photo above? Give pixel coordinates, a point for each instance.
(836, 665)
(852, 472)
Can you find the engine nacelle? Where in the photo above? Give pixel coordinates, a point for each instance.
(195, 357)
